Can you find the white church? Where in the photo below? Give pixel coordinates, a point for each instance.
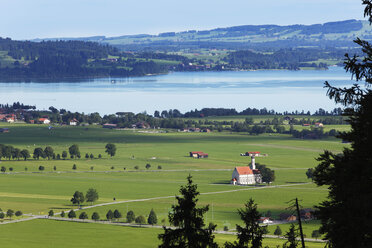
(246, 175)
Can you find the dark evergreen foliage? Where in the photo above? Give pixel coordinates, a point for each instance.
(251, 234)
(190, 230)
(345, 215)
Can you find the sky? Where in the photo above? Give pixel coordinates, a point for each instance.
(29, 19)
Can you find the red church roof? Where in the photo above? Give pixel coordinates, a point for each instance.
(244, 170)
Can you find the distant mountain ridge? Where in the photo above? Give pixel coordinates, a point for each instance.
(330, 34)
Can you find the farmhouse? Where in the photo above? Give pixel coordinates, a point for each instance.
(110, 126)
(287, 217)
(44, 120)
(10, 119)
(73, 122)
(307, 214)
(265, 220)
(318, 124)
(198, 155)
(244, 175)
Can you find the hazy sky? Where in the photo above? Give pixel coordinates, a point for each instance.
(27, 19)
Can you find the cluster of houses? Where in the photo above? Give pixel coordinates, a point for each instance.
(195, 130)
(305, 214)
(316, 124)
(198, 155)
(10, 118)
(139, 125)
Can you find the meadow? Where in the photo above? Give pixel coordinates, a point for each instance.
(35, 192)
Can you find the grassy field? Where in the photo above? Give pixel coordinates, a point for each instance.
(37, 193)
(58, 234)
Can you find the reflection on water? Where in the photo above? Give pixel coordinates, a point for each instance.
(279, 90)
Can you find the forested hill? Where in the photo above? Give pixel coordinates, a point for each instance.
(26, 60)
(332, 34)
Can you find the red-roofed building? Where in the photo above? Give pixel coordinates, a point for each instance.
(244, 175)
(198, 155)
(44, 120)
(73, 122)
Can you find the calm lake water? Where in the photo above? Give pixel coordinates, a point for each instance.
(278, 90)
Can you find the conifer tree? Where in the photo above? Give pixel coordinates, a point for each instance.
(251, 234)
(152, 219)
(190, 230)
(346, 215)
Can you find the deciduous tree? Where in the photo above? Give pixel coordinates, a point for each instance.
(92, 195)
(25, 154)
(71, 214)
(10, 213)
(95, 216)
(74, 151)
(110, 149)
(130, 216)
(83, 216)
(78, 198)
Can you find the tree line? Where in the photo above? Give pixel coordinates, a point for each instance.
(10, 213)
(9, 152)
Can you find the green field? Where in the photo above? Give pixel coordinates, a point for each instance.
(36, 193)
(59, 234)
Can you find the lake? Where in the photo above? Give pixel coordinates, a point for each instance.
(279, 90)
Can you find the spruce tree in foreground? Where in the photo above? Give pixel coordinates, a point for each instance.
(190, 230)
(346, 215)
(291, 235)
(251, 234)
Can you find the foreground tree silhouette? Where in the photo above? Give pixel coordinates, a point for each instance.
(346, 215)
(190, 229)
(291, 235)
(251, 234)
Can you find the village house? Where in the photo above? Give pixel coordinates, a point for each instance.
(141, 124)
(265, 220)
(3, 117)
(44, 120)
(244, 175)
(10, 119)
(307, 214)
(4, 130)
(73, 122)
(318, 124)
(287, 217)
(110, 126)
(198, 155)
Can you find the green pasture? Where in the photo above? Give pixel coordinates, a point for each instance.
(59, 234)
(37, 192)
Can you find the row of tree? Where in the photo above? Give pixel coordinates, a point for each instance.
(10, 213)
(10, 152)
